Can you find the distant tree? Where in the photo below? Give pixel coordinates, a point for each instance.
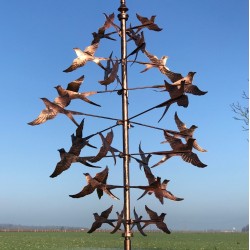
(242, 112)
(245, 229)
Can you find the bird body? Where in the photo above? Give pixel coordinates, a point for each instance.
(156, 219)
(187, 132)
(148, 23)
(177, 145)
(100, 219)
(96, 183)
(84, 56)
(155, 62)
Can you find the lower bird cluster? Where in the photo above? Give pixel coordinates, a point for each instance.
(155, 219)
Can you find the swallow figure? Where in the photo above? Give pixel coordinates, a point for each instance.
(144, 159)
(97, 36)
(139, 42)
(120, 220)
(177, 78)
(110, 77)
(51, 111)
(187, 132)
(96, 183)
(84, 56)
(66, 160)
(137, 222)
(177, 95)
(155, 62)
(156, 219)
(148, 23)
(78, 142)
(177, 145)
(100, 219)
(105, 148)
(72, 91)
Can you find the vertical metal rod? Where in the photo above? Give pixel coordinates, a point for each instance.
(123, 17)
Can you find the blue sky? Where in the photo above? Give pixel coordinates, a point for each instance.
(209, 37)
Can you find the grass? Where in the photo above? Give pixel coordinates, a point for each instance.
(101, 241)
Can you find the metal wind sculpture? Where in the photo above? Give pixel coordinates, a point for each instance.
(181, 142)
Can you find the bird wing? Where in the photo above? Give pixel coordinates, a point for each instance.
(62, 165)
(162, 226)
(153, 215)
(102, 176)
(193, 89)
(169, 195)
(46, 114)
(85, 191)
(165, 158)
(113, 74)
(91, 49)
(106, 213)
(94, 226)
(192, 158)
(181, 125)
(75, 85)
(175, 143)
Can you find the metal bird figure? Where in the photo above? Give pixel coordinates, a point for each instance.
(155, 185)
(84, 56)
(99, 183)
(112, 75)
(51, 111)
(144, 159)
(66, 160)
(137, 223)
(177, 95)
(139, 42)
(177, 78)
(100, 219)
(105, 148)
(188, 132)
(101, 31)
(148, 23)
(120, 220)
(177, 145)
(72, 91)
(157, 220)
(155, 62)
(78, 142)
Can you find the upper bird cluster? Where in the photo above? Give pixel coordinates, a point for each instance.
(182, 142)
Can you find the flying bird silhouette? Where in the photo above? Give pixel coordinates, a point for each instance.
(51, 111)
(112, 74)
(155, 185)
(105, 148)
(148, 23)
(155, 62)
(66, 160)
(84, 56)
(100, 219)
(187, 132)
(177, 145)
(137, 223)
(139, 42)
(156, 219)
(177, 78)
(120, 220)
(177, 95)
(72, 91)
(97, 36)
(96, 183)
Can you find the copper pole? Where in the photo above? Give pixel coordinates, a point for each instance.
(123, 17)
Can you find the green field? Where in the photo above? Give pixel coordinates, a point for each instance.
(101, 241)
